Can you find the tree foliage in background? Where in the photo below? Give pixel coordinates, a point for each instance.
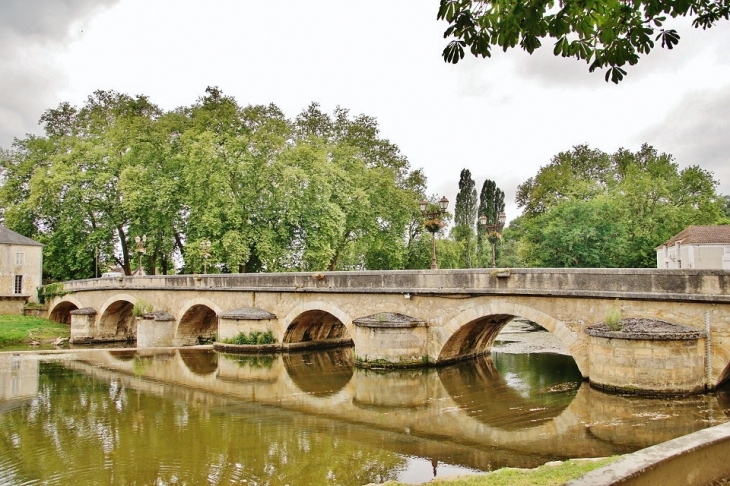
(608, 34)
(465, 214)
(271, 194)
(591, 209)
(725, 203)
(64, 188)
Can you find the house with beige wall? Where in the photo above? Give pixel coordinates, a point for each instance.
(21, 270)
(701, 247)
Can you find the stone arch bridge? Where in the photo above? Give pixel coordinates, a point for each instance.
(407, 317)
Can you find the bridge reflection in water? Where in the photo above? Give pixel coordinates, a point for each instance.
(197, 416)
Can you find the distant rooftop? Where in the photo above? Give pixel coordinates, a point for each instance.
(693, 235)
(10, 237)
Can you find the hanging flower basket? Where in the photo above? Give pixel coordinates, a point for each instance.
(494, 237)
(433, 225)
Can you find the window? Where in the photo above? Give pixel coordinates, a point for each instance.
(20, 258)
(18, 284)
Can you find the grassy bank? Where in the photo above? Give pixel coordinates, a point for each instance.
(547, 475)
(19, 330)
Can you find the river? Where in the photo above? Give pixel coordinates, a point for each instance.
(194, 416)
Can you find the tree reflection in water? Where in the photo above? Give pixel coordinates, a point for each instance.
(320, 373)
(82, 430)
(191, 416)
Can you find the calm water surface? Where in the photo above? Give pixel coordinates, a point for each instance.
(199, 417)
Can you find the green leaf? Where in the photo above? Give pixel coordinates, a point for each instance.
(454, 52)
(670, 38)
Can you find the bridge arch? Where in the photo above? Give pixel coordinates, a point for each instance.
(321, 374)
(724, 377)
(61, 310)
(197, 321)
(473, 331)
(199, 362)
(316, 321)
(483, 393)
(117, 319)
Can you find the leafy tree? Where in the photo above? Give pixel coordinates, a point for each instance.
(270, 194)
(67, 183)
(608, 34)
(508, 255)
(630, 201)
(491, 201)
(376, 190)
(581, 173)
(465, 209)
(575, 234)
(725, 204)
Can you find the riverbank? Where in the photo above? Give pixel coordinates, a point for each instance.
(21, 331)
(549, 474)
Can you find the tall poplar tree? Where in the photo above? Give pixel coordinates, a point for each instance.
(491, 203)
(465, 214)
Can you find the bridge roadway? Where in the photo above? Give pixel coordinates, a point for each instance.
(457, 313)
(429, 405)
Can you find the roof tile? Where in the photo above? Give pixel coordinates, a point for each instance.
(693, 235)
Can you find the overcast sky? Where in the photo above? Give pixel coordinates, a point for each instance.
(502, 118)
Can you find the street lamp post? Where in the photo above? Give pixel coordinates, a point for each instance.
(433, 224)
(205, 247)
(493, 232)
(140, 250)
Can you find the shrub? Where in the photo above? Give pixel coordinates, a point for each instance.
(254, 337)
(613, 317)
(208, 340)
(141, 308)
(47, 292)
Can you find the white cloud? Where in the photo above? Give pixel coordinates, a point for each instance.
(31, 34)
(696, 133)
(501, 118)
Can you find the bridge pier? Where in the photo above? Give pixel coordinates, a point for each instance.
(155, 330)
(82, 324)
(390, 340)
(667, 361)
(245, 321)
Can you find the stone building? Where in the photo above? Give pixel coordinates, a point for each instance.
(701, 247)
(21, 270)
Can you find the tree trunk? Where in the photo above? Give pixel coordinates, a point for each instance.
(125, 251)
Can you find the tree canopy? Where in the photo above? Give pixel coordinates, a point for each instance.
(591, 209)
(321, 191)
(610, 34)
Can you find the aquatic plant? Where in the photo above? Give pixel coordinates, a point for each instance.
(613, 317)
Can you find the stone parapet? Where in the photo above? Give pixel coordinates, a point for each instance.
(697, 459)
(627, 283)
